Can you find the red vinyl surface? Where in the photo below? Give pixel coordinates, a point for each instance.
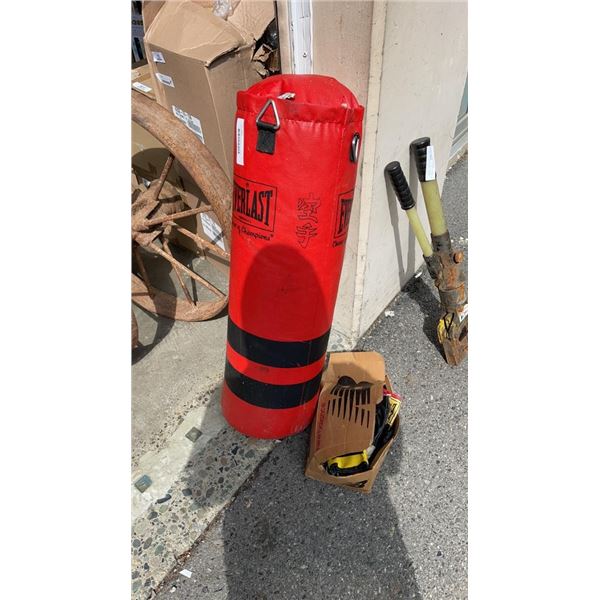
(290, 215)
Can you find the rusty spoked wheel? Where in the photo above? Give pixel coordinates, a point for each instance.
(161, 210)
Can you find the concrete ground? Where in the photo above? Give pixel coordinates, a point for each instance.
(285, 536)
(187, 463)
(166, 379)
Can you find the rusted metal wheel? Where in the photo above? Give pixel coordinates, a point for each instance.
(160, 211)
(134, 331)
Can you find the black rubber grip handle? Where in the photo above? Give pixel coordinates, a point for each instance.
(400, 185)
(418, 148)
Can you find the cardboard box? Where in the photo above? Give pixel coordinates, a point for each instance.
(150, 9)
(352, 386)
(200, 61)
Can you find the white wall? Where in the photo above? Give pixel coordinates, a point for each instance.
(342, 48)
(406, 62)
(422, 80)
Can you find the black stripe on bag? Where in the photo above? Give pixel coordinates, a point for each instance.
(276, 354)
(270, 395)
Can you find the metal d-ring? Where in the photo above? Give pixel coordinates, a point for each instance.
(264, 124)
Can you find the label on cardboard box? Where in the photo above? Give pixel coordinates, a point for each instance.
(165, 80)
(191, 122)
(158, 57)
(213, 230)
(141, 87)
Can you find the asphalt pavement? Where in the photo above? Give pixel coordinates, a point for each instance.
(287, 537)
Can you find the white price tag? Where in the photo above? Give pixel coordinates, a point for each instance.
(212, 230)
(140, 86)
(239, 141)
(430, 165)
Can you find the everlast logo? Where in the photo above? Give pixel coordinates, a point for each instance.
(342, 221)
(254, 203)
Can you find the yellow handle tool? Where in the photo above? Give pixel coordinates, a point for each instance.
(443, 264)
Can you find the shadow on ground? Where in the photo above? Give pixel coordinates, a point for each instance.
(429, 306)
(296, 538)
(163, 326)
(162, 277)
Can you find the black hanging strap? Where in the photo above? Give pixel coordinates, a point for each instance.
(266, 131)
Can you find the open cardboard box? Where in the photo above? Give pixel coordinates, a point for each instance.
(150, 8)
(344, 423)
(199, 62)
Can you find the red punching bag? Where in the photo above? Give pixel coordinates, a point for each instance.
(296, 147)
